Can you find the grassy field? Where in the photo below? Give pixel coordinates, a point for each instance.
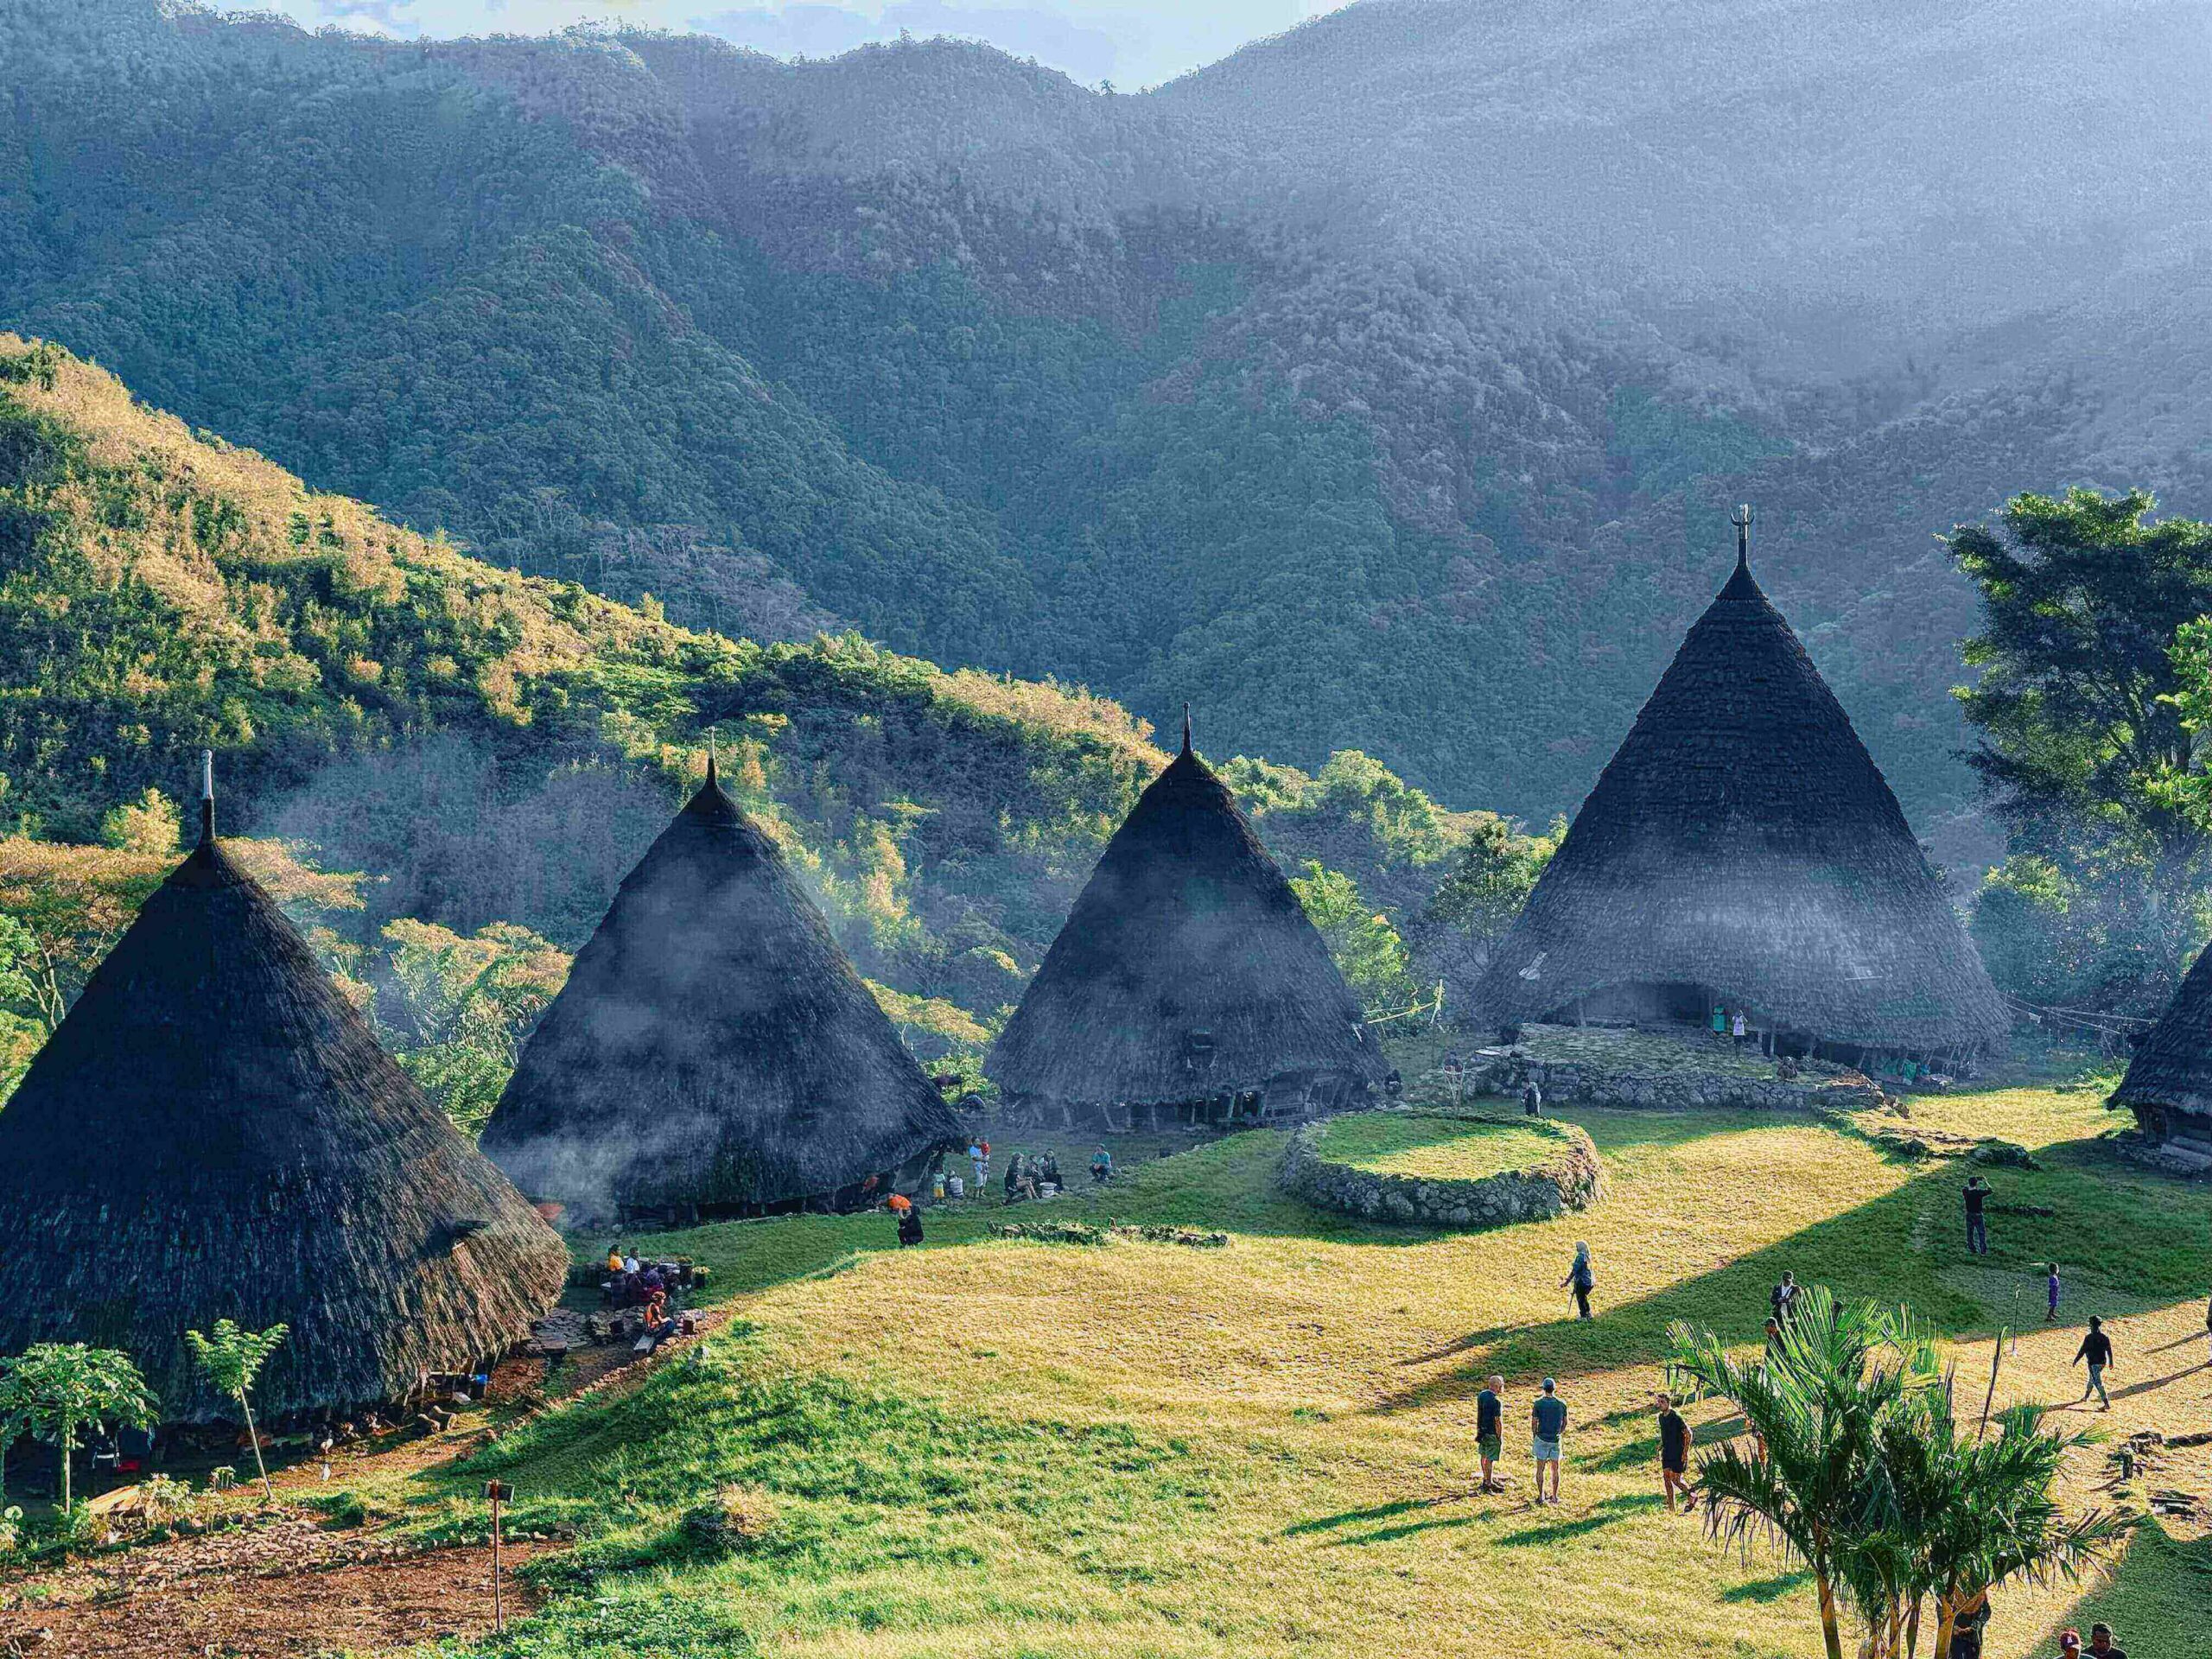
(996, 1448)
(1435, 1148)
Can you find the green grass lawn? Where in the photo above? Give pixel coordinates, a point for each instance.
(1029, 1450)
(1435, 1148)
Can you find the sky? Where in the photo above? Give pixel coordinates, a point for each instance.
(1132, 43)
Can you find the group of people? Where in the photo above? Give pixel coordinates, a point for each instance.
(1548, 1416)
(633, 1284)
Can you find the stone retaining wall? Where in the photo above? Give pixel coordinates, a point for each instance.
(1682, 1079)
(1571, 1180)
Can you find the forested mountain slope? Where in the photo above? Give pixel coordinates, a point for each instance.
(1211, 393)
(494, 748)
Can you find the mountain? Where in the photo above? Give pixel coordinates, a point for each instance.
(493, 748)
(1381, 387)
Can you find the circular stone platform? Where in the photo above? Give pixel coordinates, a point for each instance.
(1443, 1169)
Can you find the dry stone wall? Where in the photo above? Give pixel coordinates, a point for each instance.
(1571, 1178)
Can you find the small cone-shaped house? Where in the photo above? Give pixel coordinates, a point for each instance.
(2169, 1082)
(1742, 851)
(1188, 979)
(714, 1050)
(213, 1133)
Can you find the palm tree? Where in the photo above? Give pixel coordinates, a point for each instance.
(1814, 1401)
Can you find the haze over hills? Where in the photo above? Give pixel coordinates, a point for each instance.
(1382, 385)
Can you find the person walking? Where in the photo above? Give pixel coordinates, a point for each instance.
(2096, 1351)
(1673, 1457)
(1490, 1430)
(2102, 1645)
(1547, 1419)
(1976, 1194)
(1532, 1098)
(2051, 1296)
(1580, 1280)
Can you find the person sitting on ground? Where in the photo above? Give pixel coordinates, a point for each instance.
(1101, 1171)
(1027, 1166)
(630, 1264)
(1548, 1417)
(2096, 1350)
(1673, 1457)
(1049, 1171)
(898, 1203)
(651, 1280)
(1490, 1430)
(614, 1258)
(910, 1227)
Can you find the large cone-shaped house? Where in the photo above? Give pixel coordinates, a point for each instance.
(2169, 1082)
(713, 1051)
(1187, 982)
(213, 1133)
(1742, 851)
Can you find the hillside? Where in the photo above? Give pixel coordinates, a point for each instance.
(495, 749)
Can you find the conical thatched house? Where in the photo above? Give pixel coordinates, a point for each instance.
(214, 1133)
(1741, 851)
(713, 1051)
(2169, 1082)
(1188, 982)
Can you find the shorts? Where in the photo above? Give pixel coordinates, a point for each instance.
(1674, 1468)
(1490, 1446)
(1543, 1451)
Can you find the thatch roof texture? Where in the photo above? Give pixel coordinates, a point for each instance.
(713, 1045)
(1186, 929)
(214, 1133)
(2171, 1070)
(1742, 840)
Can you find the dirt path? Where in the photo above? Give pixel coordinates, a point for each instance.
(365, 1606)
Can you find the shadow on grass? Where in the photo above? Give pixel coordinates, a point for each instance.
(1878, 1249)
(1766, 1590)
(2157, 1599)
(1606, 1514)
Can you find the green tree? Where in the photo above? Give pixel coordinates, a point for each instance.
(56, 1390)
(1492, 877)
(149, 824)
(231, 1359)
(2082, 737)
(458, 1007)
(1366, 946)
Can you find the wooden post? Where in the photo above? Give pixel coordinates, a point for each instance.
(1996, 1358)
(497, 1492)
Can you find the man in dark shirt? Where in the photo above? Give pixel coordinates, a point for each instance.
(1783, 1296)
(1976, 1194)
(2096, 1349)
(1490, 1430)
(1532, 1098)
(1674, 1455)
(2100, 1644)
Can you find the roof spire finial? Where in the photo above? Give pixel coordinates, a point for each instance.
(712, 733)
(207, 798)
(1187, 728)
(1741, 518)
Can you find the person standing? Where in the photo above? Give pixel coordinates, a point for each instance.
(2096, 1351)
(2207, 1331)
(1548, 1418)
(2101, 1643)
(1490, 1430)
(1976, 1195)
(1784, 1297)
(1532, 1098)
(2051, 1296)
(1673, 1457)
(1580, 1280)
(977, 1162)
(1738, 1027)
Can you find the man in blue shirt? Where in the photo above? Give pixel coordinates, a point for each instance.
(1549, 1416)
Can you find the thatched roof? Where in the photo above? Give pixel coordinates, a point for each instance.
(214, 1133)
(1187, 927)
(713, 1046)
(2172, 1067)
(1741, 839)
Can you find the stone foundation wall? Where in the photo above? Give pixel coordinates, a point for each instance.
(1681, 1079)
(1573, 1178)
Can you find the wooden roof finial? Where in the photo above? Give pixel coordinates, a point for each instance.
(1741, 518)
(1187, 728)
(207, 798)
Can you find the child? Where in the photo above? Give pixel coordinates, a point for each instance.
(2050, 1290)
